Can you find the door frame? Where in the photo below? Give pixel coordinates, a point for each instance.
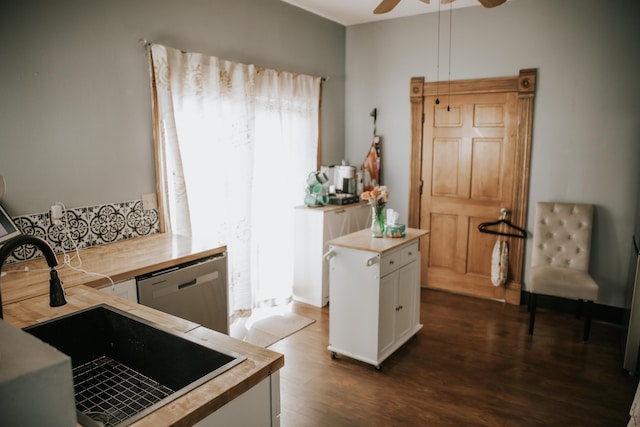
(524, 84)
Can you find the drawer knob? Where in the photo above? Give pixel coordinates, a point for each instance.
(391, 262)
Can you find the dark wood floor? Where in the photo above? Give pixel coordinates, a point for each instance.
(472, 364)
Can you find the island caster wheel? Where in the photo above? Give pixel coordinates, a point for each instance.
(334, 355)
(379, 368)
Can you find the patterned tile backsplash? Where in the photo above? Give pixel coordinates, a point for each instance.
(86, 227)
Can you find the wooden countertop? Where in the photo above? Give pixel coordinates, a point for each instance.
(364, 241)
(120, 260)
(25, 297)
(331, 208)
(191, 407)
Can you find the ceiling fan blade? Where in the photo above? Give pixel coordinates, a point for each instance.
(386, 6)
(425, 1)
(491, 3)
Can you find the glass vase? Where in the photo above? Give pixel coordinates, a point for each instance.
(377, 219)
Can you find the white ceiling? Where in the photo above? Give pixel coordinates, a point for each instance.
(352, 12)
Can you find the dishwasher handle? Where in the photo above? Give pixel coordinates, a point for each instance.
(189, 283)
(164, 288)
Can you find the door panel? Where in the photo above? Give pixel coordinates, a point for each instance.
(445, 180)
(480, 243)
(488, 115)
(485, 178)
(443, 238)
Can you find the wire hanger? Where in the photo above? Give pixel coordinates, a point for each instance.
(519, 232)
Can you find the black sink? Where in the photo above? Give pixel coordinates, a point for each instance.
(126, 367)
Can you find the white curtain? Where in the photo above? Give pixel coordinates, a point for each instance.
(234, 144)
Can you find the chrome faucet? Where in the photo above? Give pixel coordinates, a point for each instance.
(56, 293)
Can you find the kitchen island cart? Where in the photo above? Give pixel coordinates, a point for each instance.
(375, 294)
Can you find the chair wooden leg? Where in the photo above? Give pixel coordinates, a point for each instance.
(532, 311)
(587, 320)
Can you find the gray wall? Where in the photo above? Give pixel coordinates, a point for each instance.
(586, 136)
(75, 109)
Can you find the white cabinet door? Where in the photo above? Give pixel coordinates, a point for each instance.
(397, 305)
(314, 227)
(307, 256)
(126, 289)
(407, 285)
(359, 218)
(257, 407)
(336, 224)
(388, 312)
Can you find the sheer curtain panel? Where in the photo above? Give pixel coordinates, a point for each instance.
(234, 144)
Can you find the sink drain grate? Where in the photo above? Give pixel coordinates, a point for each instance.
(110, 392)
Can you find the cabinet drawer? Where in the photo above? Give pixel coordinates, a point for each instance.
(389, 262)
(409, 253)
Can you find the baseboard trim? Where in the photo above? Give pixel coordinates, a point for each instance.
(605, 313)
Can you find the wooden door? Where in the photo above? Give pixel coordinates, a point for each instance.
(473, 151)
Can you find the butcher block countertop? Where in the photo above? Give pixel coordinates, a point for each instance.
(121, 261)
(364, 241)
(126, 260)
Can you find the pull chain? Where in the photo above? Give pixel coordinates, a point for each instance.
(438, 60)
(450, 24)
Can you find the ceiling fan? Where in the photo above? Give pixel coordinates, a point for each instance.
(388, 5)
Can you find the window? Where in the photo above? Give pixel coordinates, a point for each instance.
(235, 144)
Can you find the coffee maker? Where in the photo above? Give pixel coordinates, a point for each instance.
(343, 185)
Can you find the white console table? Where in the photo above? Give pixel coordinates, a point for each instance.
(375, 294)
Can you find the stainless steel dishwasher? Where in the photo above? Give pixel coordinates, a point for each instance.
(196, 291)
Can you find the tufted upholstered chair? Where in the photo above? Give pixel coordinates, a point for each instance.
(560, 257)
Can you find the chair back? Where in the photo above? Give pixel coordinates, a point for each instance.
(562, 235)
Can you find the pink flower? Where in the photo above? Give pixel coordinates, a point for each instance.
(376, 196)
